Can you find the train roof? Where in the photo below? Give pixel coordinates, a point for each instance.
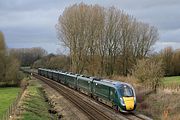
(72, 74)
(90, 77)
(107, 82)
(44, 69)
(41, 69)
(97, 78)
(86, 78)
(54, 71)
(112, 83)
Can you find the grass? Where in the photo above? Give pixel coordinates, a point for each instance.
(34, 104)
(173, 79)
(7, 96)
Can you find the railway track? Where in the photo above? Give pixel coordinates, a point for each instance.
(93, 112)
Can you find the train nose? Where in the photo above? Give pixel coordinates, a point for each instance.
(129, 103)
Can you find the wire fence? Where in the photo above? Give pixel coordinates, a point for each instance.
(10, 111)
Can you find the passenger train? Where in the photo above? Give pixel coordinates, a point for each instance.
(118, 95)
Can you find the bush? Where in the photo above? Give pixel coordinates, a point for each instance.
(9, 66)
(149, 72)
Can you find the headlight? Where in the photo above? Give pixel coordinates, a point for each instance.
(122, 101)
(134, 99)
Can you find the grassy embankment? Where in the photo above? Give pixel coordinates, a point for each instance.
(33, 104)
(7, 96)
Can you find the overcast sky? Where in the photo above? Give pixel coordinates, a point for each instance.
(31, 23)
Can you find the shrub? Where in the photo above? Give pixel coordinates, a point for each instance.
(149, 72)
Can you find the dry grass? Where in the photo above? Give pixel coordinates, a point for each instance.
(163, 105)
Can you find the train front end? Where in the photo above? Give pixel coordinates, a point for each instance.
(127, 97)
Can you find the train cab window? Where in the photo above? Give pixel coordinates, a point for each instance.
(126, 91)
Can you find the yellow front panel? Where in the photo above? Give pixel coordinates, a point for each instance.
(129, 102)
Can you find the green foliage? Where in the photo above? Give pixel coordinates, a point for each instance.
(7, 96)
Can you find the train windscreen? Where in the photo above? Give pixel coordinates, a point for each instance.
(126, 91)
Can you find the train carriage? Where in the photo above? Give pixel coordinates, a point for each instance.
(84, 84)
(40, 71)
(71, 80)
(62, 78)
(50, 74)
(118, 95)
(104, 92)
(44, 73)
(55, 75)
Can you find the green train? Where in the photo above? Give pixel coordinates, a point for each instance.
(118, 95)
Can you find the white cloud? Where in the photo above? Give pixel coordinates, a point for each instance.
(29, 21)
(171, 36)
(161, 45)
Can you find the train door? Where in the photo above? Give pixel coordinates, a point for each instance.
(114, 98)
(112, 95)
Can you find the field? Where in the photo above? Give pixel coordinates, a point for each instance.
(173, 79)
(7, 96)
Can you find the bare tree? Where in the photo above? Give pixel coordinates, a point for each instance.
(167, 56)
(104, 40)
(176, 63)
(79, 29)
(27, 56)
